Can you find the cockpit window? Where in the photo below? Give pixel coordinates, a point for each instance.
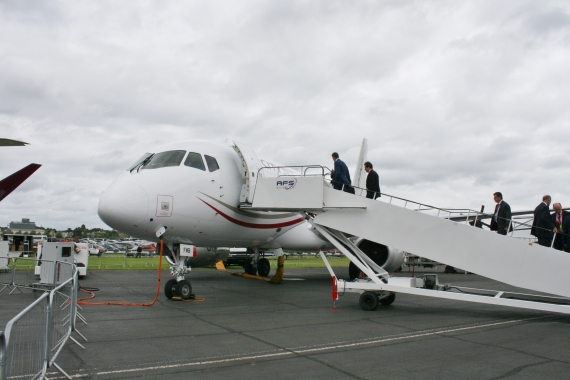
(164, 159)
(140, 161)
(212, 163)
(194, 160)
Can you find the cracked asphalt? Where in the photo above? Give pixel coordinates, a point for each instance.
(249, 329)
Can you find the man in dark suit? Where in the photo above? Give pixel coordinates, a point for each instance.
(501, 221)
(566, 233)
(372, 182)
(542, 226)
(340, 175)
(557, 218)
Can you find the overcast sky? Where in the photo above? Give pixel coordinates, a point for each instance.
(458, 99)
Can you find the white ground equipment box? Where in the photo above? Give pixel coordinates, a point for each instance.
(4, 246)
(77, 253)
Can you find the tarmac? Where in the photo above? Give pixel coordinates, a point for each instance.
(250, 329)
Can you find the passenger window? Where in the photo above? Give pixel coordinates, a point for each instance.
(194, 160)
(212, 163)
(164, 159)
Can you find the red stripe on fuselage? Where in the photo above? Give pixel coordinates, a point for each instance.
(255, 225)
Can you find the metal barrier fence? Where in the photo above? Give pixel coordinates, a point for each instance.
(148, 259)
(21, 274)
(33, 339)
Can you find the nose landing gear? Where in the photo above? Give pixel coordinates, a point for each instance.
(179, 287)
(170, 288)
(182, 289)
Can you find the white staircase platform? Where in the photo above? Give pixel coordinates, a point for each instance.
(512, 261)
(461, 245)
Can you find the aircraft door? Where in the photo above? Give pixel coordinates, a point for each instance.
(251, 165)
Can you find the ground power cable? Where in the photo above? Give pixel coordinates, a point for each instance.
(84, 302)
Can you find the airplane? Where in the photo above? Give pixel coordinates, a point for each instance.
(10, 183)
(191, 193)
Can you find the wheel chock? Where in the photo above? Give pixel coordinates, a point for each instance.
(276, 279)
(192, 299)
(220, 266)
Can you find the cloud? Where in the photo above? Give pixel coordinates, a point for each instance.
(458, 100)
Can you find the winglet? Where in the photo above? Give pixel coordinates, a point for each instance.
(10, 183)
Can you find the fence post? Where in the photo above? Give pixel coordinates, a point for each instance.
(73, 305)
(55, 270)
(3, 358)
(48, 334)
(13, 271)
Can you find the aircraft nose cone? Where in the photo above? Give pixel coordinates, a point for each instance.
(123, 205)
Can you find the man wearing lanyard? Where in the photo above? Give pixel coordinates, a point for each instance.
(557, 218)
(501, 221)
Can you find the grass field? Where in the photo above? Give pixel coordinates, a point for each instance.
(119, 261)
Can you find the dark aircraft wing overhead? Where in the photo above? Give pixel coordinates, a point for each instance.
(8, 184)
(8, 142)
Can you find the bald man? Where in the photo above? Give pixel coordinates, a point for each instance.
(542, 226)
(557, 218)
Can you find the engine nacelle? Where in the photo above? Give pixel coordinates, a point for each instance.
(196, 257)
(390, 259)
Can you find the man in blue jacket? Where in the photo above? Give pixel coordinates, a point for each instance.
(340, 175)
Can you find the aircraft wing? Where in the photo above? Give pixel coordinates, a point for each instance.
(10, 183)
(8, 142)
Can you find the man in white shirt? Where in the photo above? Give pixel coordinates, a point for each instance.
(501, 221)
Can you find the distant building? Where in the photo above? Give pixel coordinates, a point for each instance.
(25, 226)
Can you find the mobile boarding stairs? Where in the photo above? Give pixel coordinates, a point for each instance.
(338, 214)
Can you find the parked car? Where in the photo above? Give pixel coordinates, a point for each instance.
(94, 250)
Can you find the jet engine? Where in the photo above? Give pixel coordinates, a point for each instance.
(390, 259)
(199, 257)
(206, 256)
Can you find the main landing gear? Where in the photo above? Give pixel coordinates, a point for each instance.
(256, 265)
(179, 287)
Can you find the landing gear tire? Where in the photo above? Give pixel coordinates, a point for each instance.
(353, 271)
(369, 301)
(388, 300)
(263, 267)
(184, 289)
(249, 268)
(170, 288)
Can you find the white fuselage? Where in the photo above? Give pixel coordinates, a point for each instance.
(199, 206)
